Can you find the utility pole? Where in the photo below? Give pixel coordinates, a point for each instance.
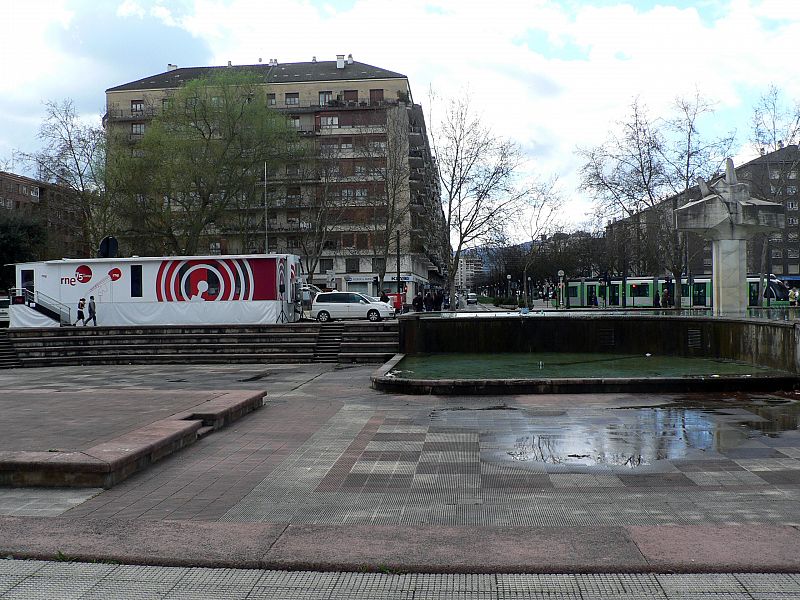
(266, 213)
(399, 289)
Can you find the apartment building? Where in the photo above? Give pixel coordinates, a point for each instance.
(51, 205)
(470, 270)
(353, 115)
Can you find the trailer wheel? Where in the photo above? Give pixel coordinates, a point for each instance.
(374, 316)
(323, 317)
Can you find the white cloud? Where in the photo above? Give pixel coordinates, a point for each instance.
(550, 74)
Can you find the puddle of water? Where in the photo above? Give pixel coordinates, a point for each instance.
(626, 437)
(547, 365)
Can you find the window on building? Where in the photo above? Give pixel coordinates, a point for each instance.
(791, 220)
(292, 98)
(215, 248)
(774, 173)
(791, 189)
(270, 99)
(347, 193)
(791, 205)
(216, 101)
(379, 265)
(346, 143)
(137, 106)
(292, 194)
(361, 170)
(706, 262)
(325, 265)
(352, 265)
(773, 189)
(362, 241)
(329, 122)
(377, 145)
(361, 193)
(776, 236)
(793, 236)
(793, 174)
(348, 240)
(137, 128)
(329, 245)
(351, 95)
(792, 253)
(376, 95)
(295, 121)
(166, 103)
(34, 191)
(776, 253)
(292, 170)
(325, 98)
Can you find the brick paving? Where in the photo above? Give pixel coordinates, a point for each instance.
(327, 451)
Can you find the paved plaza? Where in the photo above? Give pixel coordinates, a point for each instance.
(490, 496)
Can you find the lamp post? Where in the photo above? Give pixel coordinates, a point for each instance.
(561, 288)
(508, 278)
(528, 300)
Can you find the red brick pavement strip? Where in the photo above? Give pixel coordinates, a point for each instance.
(108, 463)
(425, 549)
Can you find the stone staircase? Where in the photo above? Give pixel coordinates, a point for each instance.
(329, 342)
(8, 356)
(277, 343)
(369, 342)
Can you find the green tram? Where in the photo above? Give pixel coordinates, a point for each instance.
(640, 292)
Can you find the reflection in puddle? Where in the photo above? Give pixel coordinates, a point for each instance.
(627, 437)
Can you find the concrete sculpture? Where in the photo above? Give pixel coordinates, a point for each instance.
(728, 216)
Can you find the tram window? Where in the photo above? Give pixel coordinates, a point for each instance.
(640, 290)
(572, 291)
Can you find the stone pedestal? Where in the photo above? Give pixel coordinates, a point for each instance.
(729, 291)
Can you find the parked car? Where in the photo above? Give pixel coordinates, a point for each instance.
(4, 318)
(472, 298)
(348, 305)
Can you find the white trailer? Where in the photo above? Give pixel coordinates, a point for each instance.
(185, 290)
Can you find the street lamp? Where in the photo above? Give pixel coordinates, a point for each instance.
(508, 277)
(266, 213)
(561, 288)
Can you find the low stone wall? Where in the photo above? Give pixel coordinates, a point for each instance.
(754, 341)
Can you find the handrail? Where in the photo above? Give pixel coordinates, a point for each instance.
(56, 306)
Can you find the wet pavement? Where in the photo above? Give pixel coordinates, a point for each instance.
(329, 461)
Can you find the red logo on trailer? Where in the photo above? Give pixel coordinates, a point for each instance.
(216, 280)
(83, 274)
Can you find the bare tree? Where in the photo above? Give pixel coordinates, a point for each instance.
(73, 157)
(543, 211)
(644, 171)
(775, 125)
(478, 172)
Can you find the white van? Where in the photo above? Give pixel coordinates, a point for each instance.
(348, 305)
(472, 298)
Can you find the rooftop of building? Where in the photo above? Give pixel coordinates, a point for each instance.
(270, 72)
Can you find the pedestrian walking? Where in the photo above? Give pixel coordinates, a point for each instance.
(656, 300)
(92, 311)
(428, 302)
(438, 300)
(417, 303)
(81, 317)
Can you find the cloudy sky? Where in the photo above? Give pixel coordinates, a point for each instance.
(552, 74)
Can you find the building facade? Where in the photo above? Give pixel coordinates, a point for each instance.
(360, 120)
(470, 271)
(50, 205)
